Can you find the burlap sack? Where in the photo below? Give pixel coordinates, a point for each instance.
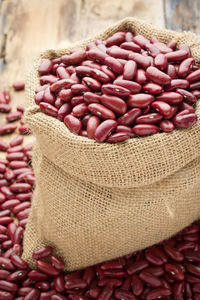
(94, 202)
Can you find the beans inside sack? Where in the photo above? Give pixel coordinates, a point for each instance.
(124, 87)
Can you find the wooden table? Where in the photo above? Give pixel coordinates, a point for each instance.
(30, 26)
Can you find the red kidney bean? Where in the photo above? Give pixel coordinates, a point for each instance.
(34, 294)
(171, 71)
(7, 128)
(150, 279)
(137, 285)
(174, 271)
(17, 276)
(42, 252)
(47, 79)
(73, 123)
(113, 64)
(108, 72)
(75, 58)
(5, 221)
(170, 97)
(60, 297)
(62, 73)
(2, 168)
(18, 235)
(166, 126)
(130, 70)
(8, 286)
(125, 129)
(129, 117)
(162, 107)
(194, 76)
(65, 95)
(106, 293)
(152, 258)
(6, 295)
(140, 40)
(91, 98)
(158, 293)
(3, 146)
(162, 47)
(177, 83)
(92, 83)
(80, 110)
(15, 156)
(83, 71)
(118, 52)
(20, 187)
(104, 129)
(15, 149)
(100, 76)
(116, 90)
(45, 66)
(156, 271)
(172, 44)
(141, 76)
(139, 100)
(19, 85)
(143, 62)
(39, 97)
(59, 284)
(123, 294)
(63, 111)
(101, 111)
(5, 108)
(188, 96)
(152, 88)
(133, 87)
(157, 76)
(177, 55)
(194, 86)
(114, 103)
(97, 55)
(76, 283)
(137, 267)
(151, 118)
(2, 197)
(145, 129)
(129, 36)
(115, 39)
(160, 61)
(185, 67)
(79, 89)
(46, 268)
(77, 100)
(92, 124)
(152, 49)
(185, 121)
(173, 253)
(130, 46)
(48, 109)
(37, 276)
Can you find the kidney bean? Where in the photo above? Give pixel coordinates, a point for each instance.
(125, 129)
(8, 286)
(3, 229)
(194, 86)
(3, 182)
(48, 79)
(114, 103)
(75, 58)
(48, 109)
(19, 85)
(77, 100)
(15, 156)
(139, 100)
(188, 96)
(63, 111)
(152, 258)
(170, 97)
(3, 146)
(113, 64)
(20, 187)
(2, 168)
(92, 83)
(196, 94)
(108, 72)
(140, 40)
(191, 279)
(162, 107)
(37, 276)
(101, 111)
(166, 126)
(115, 39)
(177, 83)
(34, 294)
(129, 117)
(65, 95)
(5, 108)
(7, 128)
(162, 47)
(39, 97)
(76, 283)
(24, 196)
(174, 271)
(152, 49)
(116, 90)
(172, 44)
(100, 76)
(193, 237)
(137, 285)
(16, 276)
(96, 55)
(158, 293)
(152, 88)
(104, 129)
(145, 129)
(160, 61)
(18, 148)
(150, 279)
(118, 52)
(6, 295)
(157, 76)
(143, 62)
(46, 268)
(177, 55)
(151, 118)
(92, 124)
(171, 71)
(73, 123)
(79, 89)
(137, 267)
(91, 98)
(5, 221)
(185, 67)
(130, 70)
(4, 274)
(2, 197)
(131, 46)
(193, 76)
(173, 253)
(60, 297)
(42, 252)
(80, 110)
(184, 121)
(45, 66)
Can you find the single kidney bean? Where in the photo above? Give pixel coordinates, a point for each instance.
(100, 76)
(91, 98)
(80, 110)
(3, 146)
(166, 126)
(42, 285)
(59, 284)
(170, 97)
(39, 97)
(162, 107)
(143, 62)
(130, 70)
(75, 58)
(45, 66)
(150, 279)
(159, 293)
(118, 52)
(153, 258)
(157, 76)
(76, 283)
(83, 71)
(34, 294)
(48, 109)
(79, 89)
(177, 55)
(18, 262)
(114, 65)
(139, 100)
(114, 103)
(141, 76)
(152, 49)
(62, 73)
(7, 128)
(65, 95)
(177, 83)
(5, 108)
(15, 156)
(186, 48)
(77, 100)
(140, 40)
(194, 86)
(8, 286)
(129, 117)
(137, 285)
(47, 79)
(185, 67)
(92, 83)
(115, 39)
(21, 207)
(184, 121)
(108, 72)
(123, 294)
(62, 84)
(194, 76)
(37, 276)
(116, 90)
(42, 252)
(73, 123)
(104, 130)
(125, 129)
(173, 253)
(152, 88)
(171, 71)
(188, 96)
(63, 111)
(6, 295)
(160, 61)
(133, 87)
(162, 47)
(151, 118)
(92, 124)
(48, 96)
(156, 271)
(130, 46)
(91, 64)
(174, 271)
(145, 129)
(19, 85)
(196, 93)
(101, 111)
(97, 55)
(172, 44)
(118, 137)
(191, 229)
(46, 268)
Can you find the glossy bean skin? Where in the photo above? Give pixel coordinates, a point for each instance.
(162, 107)
(114, 103)
(75, 58)
(170, 97)
(73, 123)
(139, 100)
(152, 280)
(104, 129)
(118, 137)
(129, 117)
(157, 76)
(133, 87)
(152, 88)
(185, 67)
(188, 96)
(123, 294)
(91, 98)
(115, 39)
(142, 61)
(114, 65)
(130, 46)
(116, 90)
(158, 293)
(171, 71)
(92, 125)
(92, 83)
(177, 55)
(166, 126)
(130, 70)
(160, 61)
(185, 121)
(151, 118)
(63, 111)
(145, 129)
(101, 111)
(141, 76)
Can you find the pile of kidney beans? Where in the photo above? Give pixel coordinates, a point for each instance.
(123, 87)
(169, 270)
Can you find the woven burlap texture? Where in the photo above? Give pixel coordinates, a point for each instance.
(94, 202)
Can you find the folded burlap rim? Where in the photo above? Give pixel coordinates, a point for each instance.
(148, 159)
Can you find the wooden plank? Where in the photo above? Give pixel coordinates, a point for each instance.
(182, 15)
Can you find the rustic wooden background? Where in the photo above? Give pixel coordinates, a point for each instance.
(29, 26)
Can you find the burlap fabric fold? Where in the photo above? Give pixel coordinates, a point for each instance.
(94, 202)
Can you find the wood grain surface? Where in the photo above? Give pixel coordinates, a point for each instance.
(30, 26)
